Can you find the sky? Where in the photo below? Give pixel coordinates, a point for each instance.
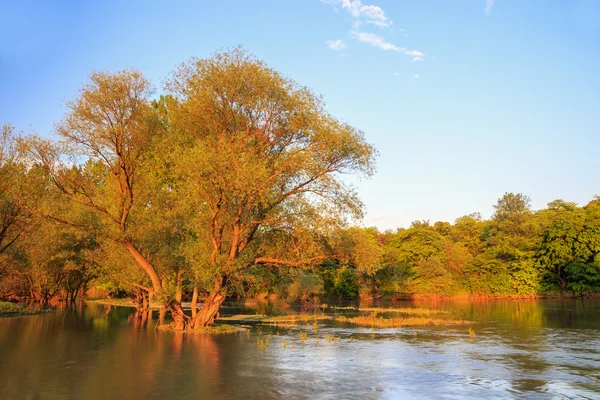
(465, 100)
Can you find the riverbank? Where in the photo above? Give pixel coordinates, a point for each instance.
(8, 309)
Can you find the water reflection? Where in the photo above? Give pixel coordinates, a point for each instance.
(524, 348)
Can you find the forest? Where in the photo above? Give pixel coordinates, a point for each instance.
(230, 184)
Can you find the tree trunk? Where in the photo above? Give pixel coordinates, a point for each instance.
(145, 264)
(178, 288)
(161, 315)
(195, 302)
(210, 309)
(145, 303)
(181, 320)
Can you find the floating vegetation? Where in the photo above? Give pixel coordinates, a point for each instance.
(297, 318)
(243, 318)
(279, 320)
(401, 310)
(375, 321)
(223, 329)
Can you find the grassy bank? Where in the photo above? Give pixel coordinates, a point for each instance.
(8, 309)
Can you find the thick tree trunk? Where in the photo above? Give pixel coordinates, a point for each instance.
(195, 302)
(210, 309)
(181, 320)
(145, 264)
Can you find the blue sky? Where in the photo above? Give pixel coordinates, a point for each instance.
(464, 99)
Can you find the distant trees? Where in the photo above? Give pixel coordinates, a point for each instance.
(570, 248)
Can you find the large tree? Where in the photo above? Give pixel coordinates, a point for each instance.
(263, 171)
(99, 162)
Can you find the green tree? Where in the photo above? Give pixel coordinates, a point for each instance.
(570, 247)
(263, 171)
(98, 164)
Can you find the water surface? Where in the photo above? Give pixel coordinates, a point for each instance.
(521, 349)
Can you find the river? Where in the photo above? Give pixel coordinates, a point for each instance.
(520, 349)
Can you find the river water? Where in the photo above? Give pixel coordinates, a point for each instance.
(521, 349)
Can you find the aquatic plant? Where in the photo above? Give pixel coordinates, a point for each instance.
(401, 310)
(303, 336)
(396, 322)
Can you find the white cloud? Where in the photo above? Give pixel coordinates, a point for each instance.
(396, 73)
(379, 42)
(336, 45)
(417, 76)
(413, 53)
(368, 14)
(374, 40)
(488, 6)
(362, 13)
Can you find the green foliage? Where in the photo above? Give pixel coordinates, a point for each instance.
(583, 277)
(339, 280)
(303, 287)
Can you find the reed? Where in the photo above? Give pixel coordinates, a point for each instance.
(397, 322)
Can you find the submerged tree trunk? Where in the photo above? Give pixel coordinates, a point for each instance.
(182, 321)
(161, 315)
(195, 302)
(210, 309)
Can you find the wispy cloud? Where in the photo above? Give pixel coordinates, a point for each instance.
(413, 53)
(380, 43)
(417, 76)
(362, 13)
(368, 14)
(488, 6)
(396, 73)
(336, 45)
(374, 40)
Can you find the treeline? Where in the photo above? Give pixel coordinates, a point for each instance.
(518, 253)
(229, 183)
